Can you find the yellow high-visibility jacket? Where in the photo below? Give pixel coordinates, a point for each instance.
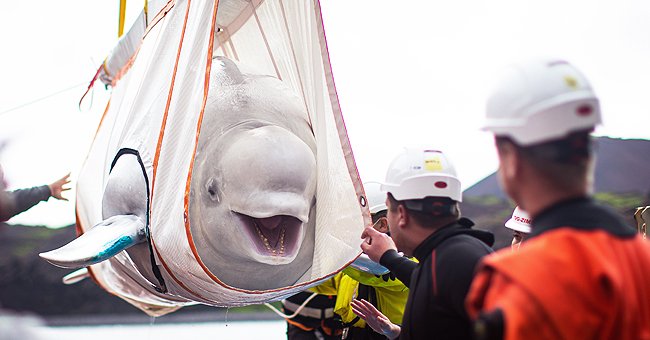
(391, 294)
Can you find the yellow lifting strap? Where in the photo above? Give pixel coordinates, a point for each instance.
(120, 28)
(120, 25)
(146, 12)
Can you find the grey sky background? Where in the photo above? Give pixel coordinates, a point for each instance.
(408, 73)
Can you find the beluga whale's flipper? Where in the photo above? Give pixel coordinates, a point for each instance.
(101, 242)
(76, 276)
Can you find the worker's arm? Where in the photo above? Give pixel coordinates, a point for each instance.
(400, 265)
(23, 199)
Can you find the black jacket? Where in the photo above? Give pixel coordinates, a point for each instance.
(438, 285)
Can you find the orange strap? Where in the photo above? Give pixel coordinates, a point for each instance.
(330, 331)
(299, 325)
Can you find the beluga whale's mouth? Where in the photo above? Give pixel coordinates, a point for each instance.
(276, 238)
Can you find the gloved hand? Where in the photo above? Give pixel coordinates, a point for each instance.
(387, 276)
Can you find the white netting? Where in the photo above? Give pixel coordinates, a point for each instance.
(155, 108)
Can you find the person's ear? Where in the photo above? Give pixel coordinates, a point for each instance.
(509, 161)
(402, 216)
(382, 225)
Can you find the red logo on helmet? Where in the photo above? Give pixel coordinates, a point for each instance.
(522, 220)
(440, 185)
(584, 110)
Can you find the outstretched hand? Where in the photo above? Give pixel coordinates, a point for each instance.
(57, 187)
(376, 243)
(375, 319)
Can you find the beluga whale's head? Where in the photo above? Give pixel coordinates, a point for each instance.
(253, 187)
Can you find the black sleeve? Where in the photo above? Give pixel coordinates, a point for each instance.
(400, 265)
(23, 199)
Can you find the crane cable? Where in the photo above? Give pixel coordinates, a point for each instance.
(34, 101)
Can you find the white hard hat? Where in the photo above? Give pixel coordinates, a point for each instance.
(541, 100)
(520, 221)
(418, 173)
(376, 198)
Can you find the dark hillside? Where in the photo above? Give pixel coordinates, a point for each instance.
(622, 165)
(28, 283)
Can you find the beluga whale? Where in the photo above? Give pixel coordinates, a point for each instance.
(252, 198)
(217, 177)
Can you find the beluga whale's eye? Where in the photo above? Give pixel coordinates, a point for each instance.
(212, 190)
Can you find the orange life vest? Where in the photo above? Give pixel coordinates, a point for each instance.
(568, 284)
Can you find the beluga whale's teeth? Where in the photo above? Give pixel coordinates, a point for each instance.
(275, 236)
(100, 243)
(273, 249)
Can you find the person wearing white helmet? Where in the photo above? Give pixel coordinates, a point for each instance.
(519, 223)
(580, 274)
(422, 196)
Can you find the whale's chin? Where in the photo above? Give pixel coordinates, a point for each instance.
(274, 244)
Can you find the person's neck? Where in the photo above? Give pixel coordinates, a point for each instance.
(419, 233)
(538, 201)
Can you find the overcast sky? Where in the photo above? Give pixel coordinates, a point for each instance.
(409, 75)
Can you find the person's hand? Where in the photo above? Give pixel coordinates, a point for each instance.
(57, 189)
(375, 319)
(376, 243)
